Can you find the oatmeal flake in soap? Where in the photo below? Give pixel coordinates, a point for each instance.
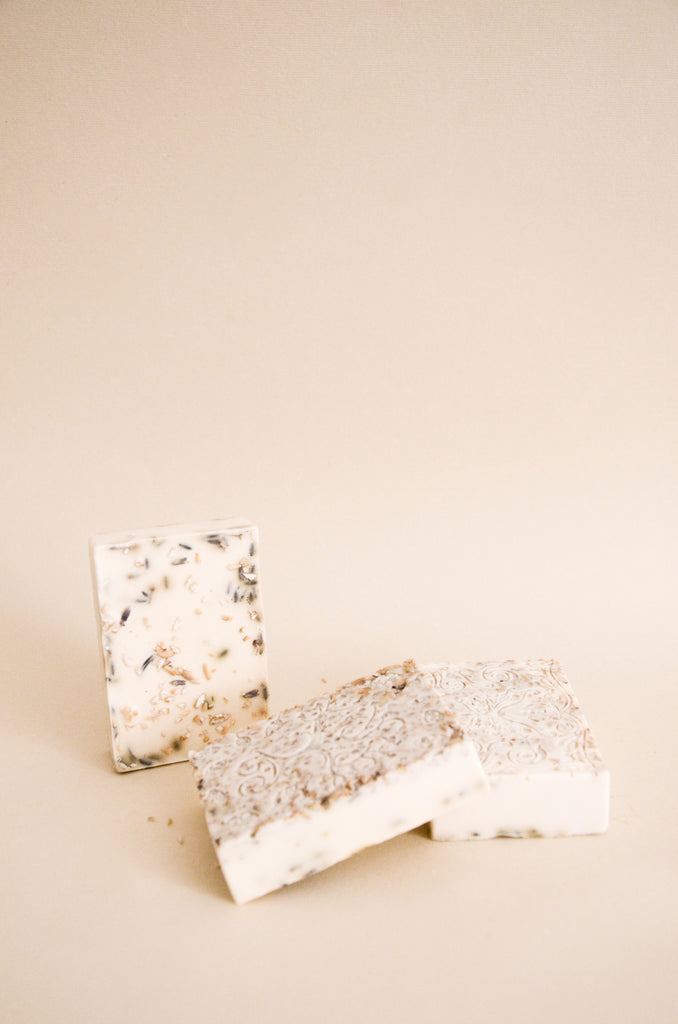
(182, 637)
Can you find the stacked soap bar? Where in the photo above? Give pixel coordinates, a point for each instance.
(182, 637)
(546, 774)
(314, 784)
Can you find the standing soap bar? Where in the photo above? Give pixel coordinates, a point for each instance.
(546, 774)
(182, 637)
(316, 783)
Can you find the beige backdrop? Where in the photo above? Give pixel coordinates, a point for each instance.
(398, 282)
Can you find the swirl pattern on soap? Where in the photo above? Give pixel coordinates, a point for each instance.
(306, 757)
(521, 716)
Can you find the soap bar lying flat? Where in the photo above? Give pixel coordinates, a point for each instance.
(546, 774)
(182, 637)
(314, 784)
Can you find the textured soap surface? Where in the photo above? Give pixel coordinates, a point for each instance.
(182, 637)
(546, 774)
(315, 783)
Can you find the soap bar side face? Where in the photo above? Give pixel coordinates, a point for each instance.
(182, 637)
(530, 806)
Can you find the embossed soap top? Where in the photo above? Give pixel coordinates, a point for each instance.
(182, 636)
(521, 715)
(309, 756)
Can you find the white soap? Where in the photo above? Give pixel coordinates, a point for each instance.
(546, 774)
(182, 637)
(314, 784)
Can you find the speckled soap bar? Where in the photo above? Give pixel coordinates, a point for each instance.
(182, 637)
(546, 774)
(314, 784)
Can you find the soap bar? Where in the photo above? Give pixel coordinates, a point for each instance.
(182, 637)
(546, 774)
(316, 783)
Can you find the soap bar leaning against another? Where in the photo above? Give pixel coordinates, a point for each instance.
(316, 783)
(182, 637)
(546, 774)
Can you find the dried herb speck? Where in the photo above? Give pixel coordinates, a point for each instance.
(216, 538)
(258, 644)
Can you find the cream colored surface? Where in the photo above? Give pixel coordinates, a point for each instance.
(396, 281)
